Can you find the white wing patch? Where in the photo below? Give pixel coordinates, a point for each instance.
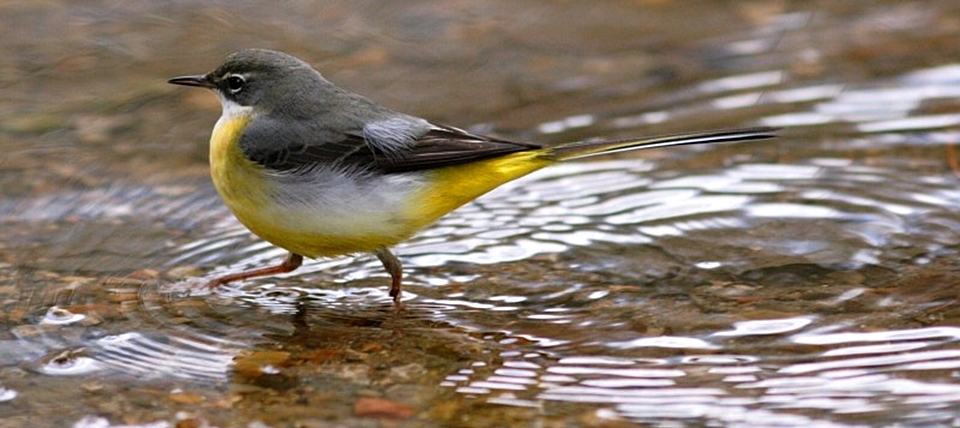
(394, 134)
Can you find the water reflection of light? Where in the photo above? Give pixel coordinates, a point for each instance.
(804, 93)
(876, 109)
(875, 349)
(743, 81)
(912, 123)
(682, 207)
(635, 121)
(69, 363)
(775, 172)
(878, 361)
(663, 342)
(7, 394)
(737, 101)
(585, 394)
(178, 357)
(59, 316)
(788, 210)
(943, 333)
(565, 124)
(765, 327)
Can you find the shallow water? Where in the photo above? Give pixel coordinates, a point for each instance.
(807, 281)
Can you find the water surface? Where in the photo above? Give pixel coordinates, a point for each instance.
(807, 281)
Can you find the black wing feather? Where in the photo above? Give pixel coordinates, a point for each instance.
(446, 146)
(303, 149)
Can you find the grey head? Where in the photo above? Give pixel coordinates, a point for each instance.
(303, 122)
(263, 79)
(301, 119)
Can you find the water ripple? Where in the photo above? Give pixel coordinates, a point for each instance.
(806, 281)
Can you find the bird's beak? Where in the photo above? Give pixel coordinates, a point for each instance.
(202, 81)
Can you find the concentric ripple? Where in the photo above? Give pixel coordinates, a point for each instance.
(805, 281)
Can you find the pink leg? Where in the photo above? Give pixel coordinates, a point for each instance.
(393, 266)
(289, 264)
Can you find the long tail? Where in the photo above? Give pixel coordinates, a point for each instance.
(584, 149)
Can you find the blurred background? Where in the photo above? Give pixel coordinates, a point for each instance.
(805, 281)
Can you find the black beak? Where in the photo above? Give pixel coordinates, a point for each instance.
(202, 81)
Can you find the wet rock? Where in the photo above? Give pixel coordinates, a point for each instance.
(382, 408)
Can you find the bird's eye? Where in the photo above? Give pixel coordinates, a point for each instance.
(235, 83)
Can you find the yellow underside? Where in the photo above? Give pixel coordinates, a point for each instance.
(453, 186)
(247, 191)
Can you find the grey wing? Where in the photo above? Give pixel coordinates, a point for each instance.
(292, 146)
(396, 144)
(446, 146)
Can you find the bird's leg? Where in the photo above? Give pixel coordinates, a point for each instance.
(289, 264)
(393, 266)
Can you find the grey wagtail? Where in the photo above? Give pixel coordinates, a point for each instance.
(322, 172)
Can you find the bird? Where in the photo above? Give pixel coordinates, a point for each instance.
(321, 171)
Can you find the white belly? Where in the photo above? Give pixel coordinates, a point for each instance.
(330, 212)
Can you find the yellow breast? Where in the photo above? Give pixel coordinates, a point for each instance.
(239, 181)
